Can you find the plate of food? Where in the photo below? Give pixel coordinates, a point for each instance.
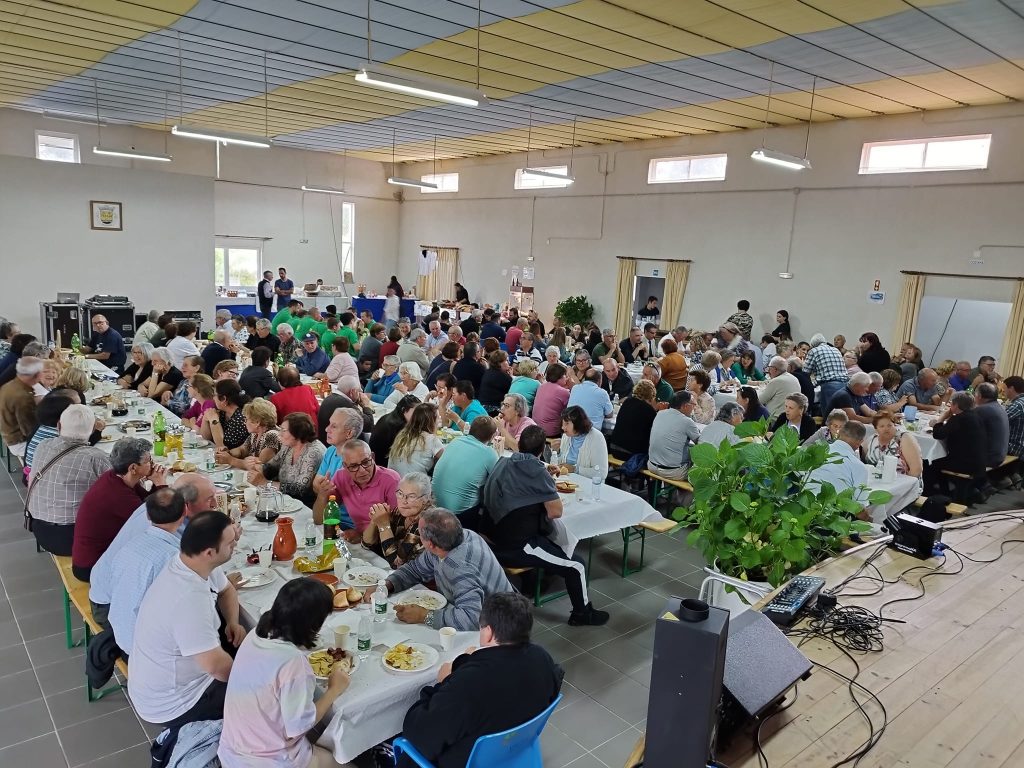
(183, 466)
(102, 399)
(324, 660)
(566, 486)
(347, 598)
(138, 424)
(364, 576)
(409, 658)
(424, 598)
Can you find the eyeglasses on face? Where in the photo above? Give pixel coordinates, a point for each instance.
(402, 495)
(364, 464)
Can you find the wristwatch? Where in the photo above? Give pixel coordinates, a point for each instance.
(429, 618)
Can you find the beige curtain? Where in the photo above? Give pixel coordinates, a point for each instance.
(624, 308)
(439, 284)
(676, 275)
(907, 311)
(1011, 360)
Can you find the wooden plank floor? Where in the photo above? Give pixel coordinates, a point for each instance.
(950, 677)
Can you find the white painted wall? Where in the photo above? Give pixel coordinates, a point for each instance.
(848, 229)
(172, 213)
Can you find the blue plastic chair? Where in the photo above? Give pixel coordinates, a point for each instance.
(517, 747)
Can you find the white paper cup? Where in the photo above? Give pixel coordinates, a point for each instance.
(265, 556)
(251, 495)
(238, 477)
(447, 636)
(341, 633)
(340, 566)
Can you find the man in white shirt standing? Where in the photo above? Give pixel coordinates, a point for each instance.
(178, 667)
(392, 308)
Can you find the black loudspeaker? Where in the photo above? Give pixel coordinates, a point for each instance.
(761, 665)
(686, 684)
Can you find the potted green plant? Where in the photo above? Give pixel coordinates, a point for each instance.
(754, 516)
(575, 310)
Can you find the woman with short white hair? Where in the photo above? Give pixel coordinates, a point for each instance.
(410, 383)
(141, 368)
(63, 469)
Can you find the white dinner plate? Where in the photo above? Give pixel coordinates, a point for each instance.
(425, 598)
(255, 576)
(430, 657)
(363, 576)
(288, 504)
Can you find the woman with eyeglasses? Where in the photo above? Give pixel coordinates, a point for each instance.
(394, 533)
(417, 446)
(512, 419)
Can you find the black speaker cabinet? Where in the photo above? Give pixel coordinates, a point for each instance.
(686, 684)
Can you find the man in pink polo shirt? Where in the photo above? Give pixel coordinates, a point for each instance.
(359, 484)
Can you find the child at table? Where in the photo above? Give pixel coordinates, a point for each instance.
(269, 705)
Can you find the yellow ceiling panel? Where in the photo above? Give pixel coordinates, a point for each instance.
(43, 27)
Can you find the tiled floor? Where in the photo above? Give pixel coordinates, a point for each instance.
(46, 721)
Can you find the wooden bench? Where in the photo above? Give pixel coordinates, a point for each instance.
(963, 483)
(76, 593)
(954, 509)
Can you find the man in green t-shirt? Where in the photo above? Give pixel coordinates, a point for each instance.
(652, 372)
(308, 322)
(347, 329)
(608, 348)
(286, 315)
(327, 337)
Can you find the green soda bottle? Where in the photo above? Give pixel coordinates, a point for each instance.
(279, 360)
(159, 434)
(332, 520)
(76, 343)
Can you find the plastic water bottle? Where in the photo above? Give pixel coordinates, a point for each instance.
(554, 457)
(211, 460)
(380, 602)
(310, 538)
(364, 639)
(598, 482)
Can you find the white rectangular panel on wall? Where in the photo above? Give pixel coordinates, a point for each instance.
(960, 329)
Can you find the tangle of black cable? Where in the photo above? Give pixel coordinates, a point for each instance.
(1002, 551)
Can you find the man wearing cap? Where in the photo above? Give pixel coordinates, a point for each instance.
(311, 360)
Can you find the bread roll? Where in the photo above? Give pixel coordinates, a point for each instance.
(354, 595)
(340, 600)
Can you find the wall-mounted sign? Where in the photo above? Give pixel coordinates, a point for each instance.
(876, 297)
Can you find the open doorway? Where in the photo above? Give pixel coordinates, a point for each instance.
(645, 288)
(963, 318)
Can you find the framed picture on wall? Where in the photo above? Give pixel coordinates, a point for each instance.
(105, 215)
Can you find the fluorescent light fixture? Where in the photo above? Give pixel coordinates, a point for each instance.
(132, 154)
(786, 275)
(70, 117)
(325, 190)
(399, 181)
(781, 159)
(549, 175)
(227, 137)
(416, 85)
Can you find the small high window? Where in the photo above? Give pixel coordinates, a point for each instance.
(948, 153)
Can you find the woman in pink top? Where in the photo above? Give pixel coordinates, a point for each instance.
(552, 398)
(268, 705)
(201, 390)
(342, 364)
(512, 419)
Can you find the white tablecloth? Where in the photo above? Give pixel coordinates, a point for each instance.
(583, 519)
(904, 489)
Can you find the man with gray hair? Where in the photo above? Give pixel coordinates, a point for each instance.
(221, 348)
(436, 339)
(289, 348)
(411, 350)
(825, 363)
(994, 421)
(853, 399)
(922, 390)
(197, 493)
(383, 380)
(844, 469)
(608, 348)
(680, 335)
(222, 318)
(462, 566)
(263, 337)
(18, 404)
(112, 499)
(64, 468)
(781, 383)
(963, 435)
(350, 397)
(144, 334)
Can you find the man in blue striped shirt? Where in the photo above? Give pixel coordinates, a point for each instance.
(460, 563)
(137, 564)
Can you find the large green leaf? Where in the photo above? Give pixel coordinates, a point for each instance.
(735, 529)
(751, 428)
(879, 497)
(739, 501)
(703, 455)
(794, 551)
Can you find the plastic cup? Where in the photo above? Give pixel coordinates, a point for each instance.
(251, 495)
(265, 556)
(341, 633)
(238, 477)
(447, 637)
